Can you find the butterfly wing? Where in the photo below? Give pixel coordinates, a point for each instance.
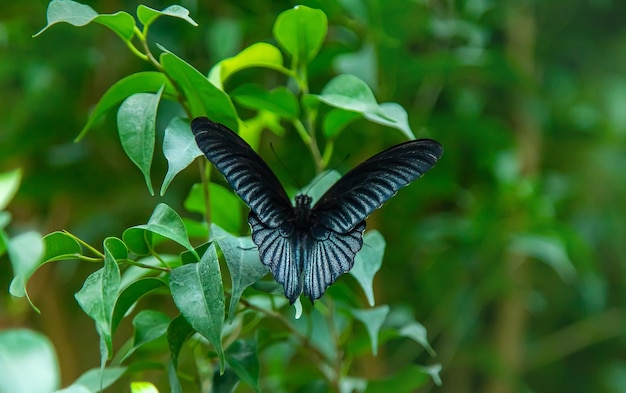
(366, 187)
(245, 171)
(332, 254)
(271, 211)
(339, 216)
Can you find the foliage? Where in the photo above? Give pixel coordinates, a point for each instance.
(134, 266)
(526, 98)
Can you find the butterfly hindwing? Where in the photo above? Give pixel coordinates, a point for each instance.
(276, 249)
(332, 254)
(245, 171)
(365, 188)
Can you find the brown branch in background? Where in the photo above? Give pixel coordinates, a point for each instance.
(511, 317)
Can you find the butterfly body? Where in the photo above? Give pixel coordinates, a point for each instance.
(307, 248)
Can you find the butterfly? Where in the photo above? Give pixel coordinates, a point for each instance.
(307, 248)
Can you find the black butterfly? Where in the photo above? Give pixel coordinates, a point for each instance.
(306, 248)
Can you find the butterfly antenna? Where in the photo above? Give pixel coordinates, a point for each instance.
(293, 178)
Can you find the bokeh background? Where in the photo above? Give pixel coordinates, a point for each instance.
(510, 252)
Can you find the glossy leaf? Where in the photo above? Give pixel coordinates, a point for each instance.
(60, 246)
(22, 352)
(368, 262)
(147, 15)
(140, 82)
(417, 332)
(203, 97)
(373, 319)
(241, 356)
(77, 14)
(199, 294)
(179, 148)
(259, 54)
(352, 94)
(130, 295)
(279, 101)
(25, 252)
(178, 332)
(99, 292)
(301, 32)
(165, 222)
(9, 183)
(136, 124)
(148, 325)
(315, 327)
(242, 259)
(392, 115)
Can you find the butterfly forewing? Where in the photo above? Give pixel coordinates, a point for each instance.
(245, 171)
(365, 188)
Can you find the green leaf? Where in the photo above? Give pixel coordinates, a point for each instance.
(136, 123)
(77, 14)
(99, 292)
(9, 183)
(28, 252)
(417, 332)
(130, 295)
(25, 252)
(95, 380)
(147, 15)
(143, 387)
(405, 380)
(260, 54)
(352, 94)
(225, 205)
(203, 97)
(242, 259)
(178, 332)
(373, 319)
(279, 101)
(301, 32)
(547, 249)
(368, 262)
(60, 246)
(392, 115)
(22, 352)
(140, 82)
(198, 292)
(164, 221)
(241, 356)
(336, 120)
(179, 148)
(315, 326)
(149, 325)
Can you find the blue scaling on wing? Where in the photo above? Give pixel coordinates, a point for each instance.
(332, 255)
(277, 252)
(365, 188)
(245, 171)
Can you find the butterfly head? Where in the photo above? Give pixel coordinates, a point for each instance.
(303, 201)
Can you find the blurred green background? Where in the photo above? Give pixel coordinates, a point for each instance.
(510, 251)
